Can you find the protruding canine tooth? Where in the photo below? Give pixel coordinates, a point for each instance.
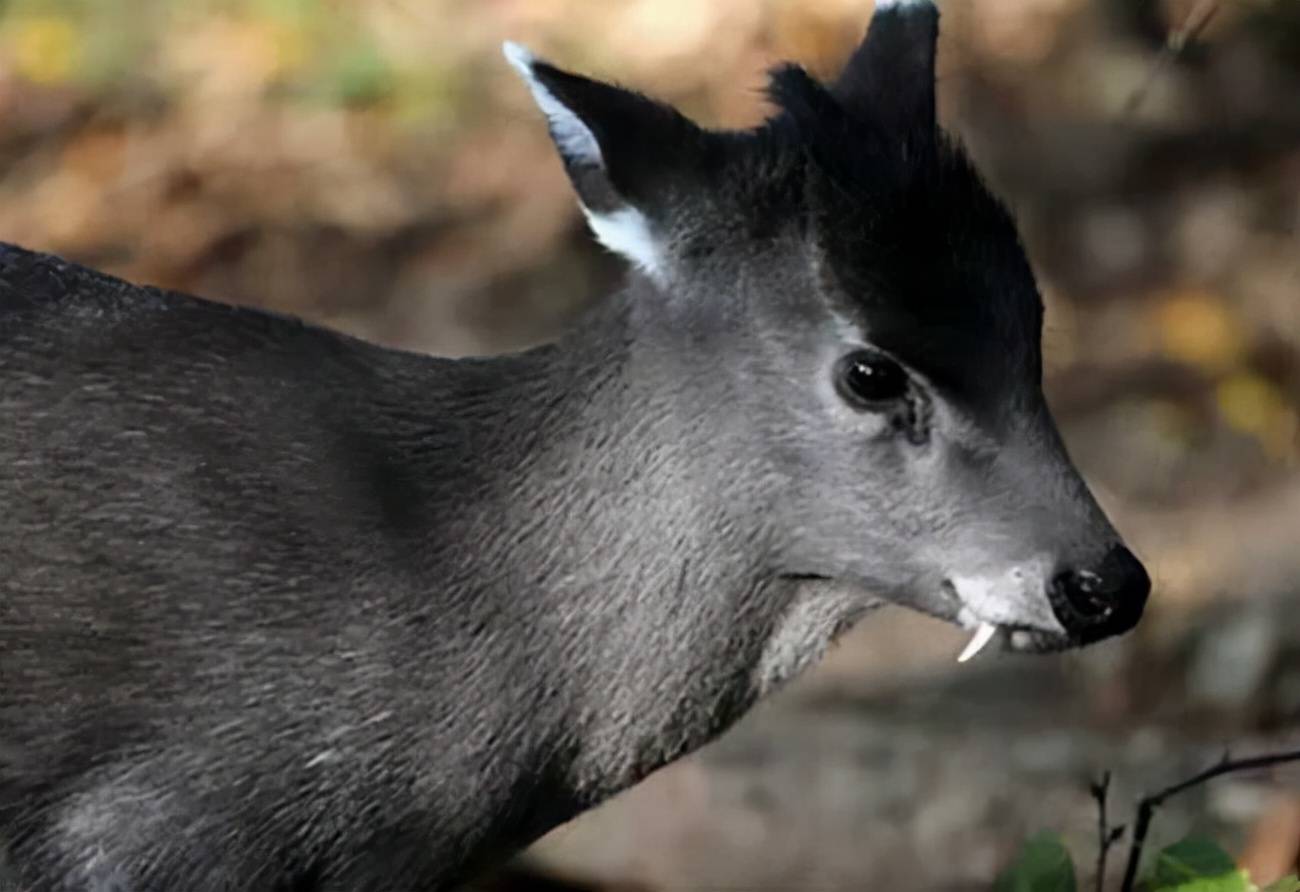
(983, 635)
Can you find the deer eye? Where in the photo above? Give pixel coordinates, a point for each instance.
(870, 380)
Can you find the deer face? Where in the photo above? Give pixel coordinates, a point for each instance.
(873, 328)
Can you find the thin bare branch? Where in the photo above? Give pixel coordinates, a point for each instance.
(1106, 835)
(1148, 805)
(1197, 21)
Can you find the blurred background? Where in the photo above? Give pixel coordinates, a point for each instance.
(375, 166)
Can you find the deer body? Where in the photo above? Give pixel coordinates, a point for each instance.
(280, 609)
(345, 642)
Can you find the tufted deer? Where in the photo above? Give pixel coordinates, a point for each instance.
(281, 610)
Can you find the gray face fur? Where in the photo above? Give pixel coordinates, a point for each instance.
(850, 223)
(283, 610)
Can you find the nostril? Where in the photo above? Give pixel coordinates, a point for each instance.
(1104, 600)
(1085, 593)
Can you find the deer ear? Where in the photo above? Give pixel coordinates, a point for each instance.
(890, 77)
(621, 150)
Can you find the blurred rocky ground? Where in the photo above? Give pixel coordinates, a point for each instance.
(373, 164)
(930, 779)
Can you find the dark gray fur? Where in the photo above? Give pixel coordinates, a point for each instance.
(282, 610)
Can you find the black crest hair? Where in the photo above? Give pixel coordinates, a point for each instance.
(929, 261)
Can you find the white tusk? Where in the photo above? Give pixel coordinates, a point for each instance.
(983, 635)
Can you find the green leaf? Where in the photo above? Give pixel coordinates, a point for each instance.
(362, 75)
(1286, 884)
(1236, 881)
(1196, 865)
(1043, 865)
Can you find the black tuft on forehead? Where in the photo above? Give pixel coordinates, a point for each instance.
(922, 256)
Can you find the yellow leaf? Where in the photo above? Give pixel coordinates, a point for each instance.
(230, 56)
(45, 48)
(1196, 328)
(291, 48)
(1255, 406)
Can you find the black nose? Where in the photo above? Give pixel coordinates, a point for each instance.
(1101, 601)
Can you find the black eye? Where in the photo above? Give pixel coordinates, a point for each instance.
(870, 380)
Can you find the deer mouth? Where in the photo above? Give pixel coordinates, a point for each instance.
(944, 601)
(987, 624)
(1017, 639)
(984, 633)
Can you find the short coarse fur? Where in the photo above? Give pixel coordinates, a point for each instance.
(249, 636)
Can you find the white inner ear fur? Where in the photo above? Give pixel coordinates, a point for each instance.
(575, 140)
(625, 231)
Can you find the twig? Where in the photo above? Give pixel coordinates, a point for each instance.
(1100, 789)
(1107, 836)
(1197, 21)
(1148, 805)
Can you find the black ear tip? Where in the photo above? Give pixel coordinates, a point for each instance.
(549, 84)
(520, 57)
(906, 7)
(891, 73)
(532, 68)
(904, 22)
